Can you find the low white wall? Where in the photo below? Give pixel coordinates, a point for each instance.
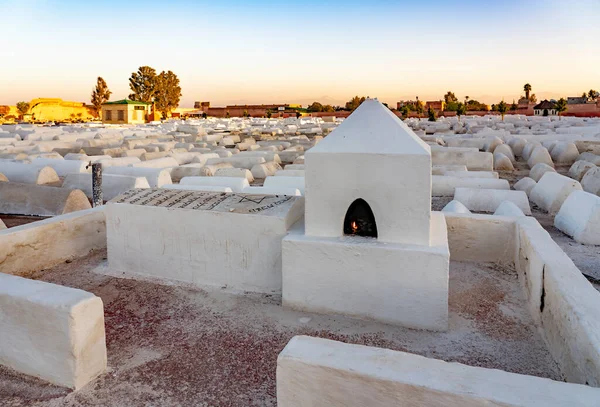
(563, 301)
(52, 332)
(323, 373)
(43, 244)
(481, 238)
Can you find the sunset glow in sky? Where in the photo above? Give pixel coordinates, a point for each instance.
(297, 52)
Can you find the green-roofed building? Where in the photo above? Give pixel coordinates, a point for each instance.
(126, 111)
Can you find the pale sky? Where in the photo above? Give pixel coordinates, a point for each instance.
(264, 51)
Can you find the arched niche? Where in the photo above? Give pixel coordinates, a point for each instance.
(359, 220)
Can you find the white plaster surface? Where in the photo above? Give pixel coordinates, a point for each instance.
(407, 285)
(62, 167)
(45, 243)
(455, 207)
(204, 188)
(40, 200)
(235, 183)
(112, 185)
(579, 168)
(52, 332)
(471, 174)
(579, 217)
(525, 184)
(442, 169)
(539, 155)
(481, 238)
(446, 186)
(272, 191)
(552, 190)
(488, 200)
(591, 181)
(562, 301)
(28, 174)
(473, 160)
(156, 177)
(507, 208)
(229, 240)
(538, 171)
(323, 373)
(286, 183)
(372, 155)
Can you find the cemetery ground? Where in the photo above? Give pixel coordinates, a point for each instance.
(174, 345)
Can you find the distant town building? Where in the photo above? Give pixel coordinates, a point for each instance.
(51, 109)
(545, 108)
(126, 112)
(437, 105)
(576, 100)
(276, 110)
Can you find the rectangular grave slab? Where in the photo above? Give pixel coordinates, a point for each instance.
(225, 240)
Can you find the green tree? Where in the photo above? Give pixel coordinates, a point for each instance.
(354, 103)
(451, 106)
(527, 88)
(23, 108)
(593, 94)
(533, 98)
(167, 92)
(449, 97)
(502, 107)
(419, 108)
(100, 95)
(514, 106)
(405, 111)
(328, 108)
(142, 83)
(584, 95)
(431, 114)
(315, 107)
(461, 109)
(246, 114)
(269, 113)
(561, 106)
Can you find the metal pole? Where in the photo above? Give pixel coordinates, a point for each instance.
(97, 185)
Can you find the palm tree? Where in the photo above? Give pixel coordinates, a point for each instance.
(527, 89)
(561, 106)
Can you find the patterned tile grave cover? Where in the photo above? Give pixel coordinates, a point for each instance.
(269, 205)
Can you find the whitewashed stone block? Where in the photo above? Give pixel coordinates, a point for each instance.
(579, 217)
(323, 373)
(52, 332)
(525, 184)
(539, 170)
(552, 190)
(488, 200)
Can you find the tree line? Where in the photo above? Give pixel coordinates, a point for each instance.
(146, 85)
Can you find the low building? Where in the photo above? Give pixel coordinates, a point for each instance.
(126, 112)
(576, 100)
(51, 109)
(437, 105)
(545, 108)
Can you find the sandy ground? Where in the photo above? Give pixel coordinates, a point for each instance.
(13, 220)
(172, 345)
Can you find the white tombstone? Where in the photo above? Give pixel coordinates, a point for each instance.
(579, 217)
(525, 184)
(507, 208)
(552, 190)
(378, 220)
(488, 200)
